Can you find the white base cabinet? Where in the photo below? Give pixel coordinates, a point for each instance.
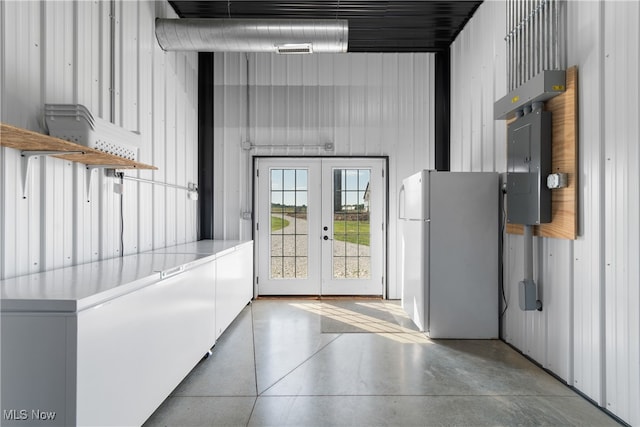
(234, 271)
(105, 343)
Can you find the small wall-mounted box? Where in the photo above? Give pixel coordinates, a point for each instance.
(528, 165)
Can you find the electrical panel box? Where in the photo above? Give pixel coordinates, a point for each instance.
(528, 164)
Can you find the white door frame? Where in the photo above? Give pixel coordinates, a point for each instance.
(309, 283)
(333, 284)
(378, 165)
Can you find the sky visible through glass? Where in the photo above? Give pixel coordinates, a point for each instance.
(289, 187)
(290, 182)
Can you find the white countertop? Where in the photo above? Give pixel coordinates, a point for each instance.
(209, 247)
(75, 288)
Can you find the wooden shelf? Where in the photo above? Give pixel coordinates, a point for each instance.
(26, 140)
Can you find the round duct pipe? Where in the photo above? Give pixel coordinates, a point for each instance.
(253, 35)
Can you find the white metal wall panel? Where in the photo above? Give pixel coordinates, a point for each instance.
(365, 104)
(94, 91)
(21, 41)
(59, 52)
(556, 267)
(159, 118)
(585, 32)
(147, 42)
(478, 72)
(589, 330)
(127, 96)
(3, 177)
(622, 208)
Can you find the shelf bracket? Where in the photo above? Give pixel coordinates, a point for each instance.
(89, 176)
(26, 157)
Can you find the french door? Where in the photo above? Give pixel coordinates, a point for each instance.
(320, 226)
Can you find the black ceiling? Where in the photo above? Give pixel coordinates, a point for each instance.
(374, 26)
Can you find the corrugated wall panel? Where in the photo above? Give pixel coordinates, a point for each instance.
(191, 159)
(589, 330)
(585, 31)
(59, 52)
(622, 208)
(170, 148)
(127, 65)
(558, 308)
(2, 161)
(180, 157)
(147, 42)
(92, 89)
(21, 40)
(366, 104)
(159, 146)
(478, 71)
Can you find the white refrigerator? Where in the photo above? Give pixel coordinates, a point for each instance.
(449, 222)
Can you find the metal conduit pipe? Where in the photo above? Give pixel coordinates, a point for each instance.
(525, 42)
(253, 35)
(112, 61)
(535, 39)
(528, 252)
(512, 83)
(528, 292)
(546, 36)
(507, 39)
(529, 39)
(518, 44)
(550, 35)
(556, 37)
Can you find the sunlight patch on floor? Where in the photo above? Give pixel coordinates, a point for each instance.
(366, 323)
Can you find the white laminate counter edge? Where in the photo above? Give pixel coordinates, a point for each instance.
(218, 248)
(67, 289)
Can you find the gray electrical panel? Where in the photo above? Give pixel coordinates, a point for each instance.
(528, 164)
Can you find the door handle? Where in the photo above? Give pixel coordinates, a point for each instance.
(326, 238)
(401, 202)
(171, 272)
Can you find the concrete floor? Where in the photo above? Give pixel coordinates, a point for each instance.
(275, 366)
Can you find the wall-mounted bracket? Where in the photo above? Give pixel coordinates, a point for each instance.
(89, 176)
(26, 157)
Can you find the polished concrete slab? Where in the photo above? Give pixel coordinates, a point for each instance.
(276, 367)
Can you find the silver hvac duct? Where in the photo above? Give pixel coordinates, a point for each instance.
(253, 35)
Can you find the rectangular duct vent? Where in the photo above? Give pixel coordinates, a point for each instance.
(294, 48)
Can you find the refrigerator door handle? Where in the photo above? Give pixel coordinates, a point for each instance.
(400, 203)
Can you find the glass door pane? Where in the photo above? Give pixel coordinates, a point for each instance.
(320, 226)
(289, 240)
(351, 224)
(288, 231)
(353, 205)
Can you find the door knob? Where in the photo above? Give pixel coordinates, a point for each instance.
(326, 237)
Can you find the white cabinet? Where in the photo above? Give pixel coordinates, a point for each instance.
(105, 343)
(234, 285)
(234, 275)
(134, 350)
